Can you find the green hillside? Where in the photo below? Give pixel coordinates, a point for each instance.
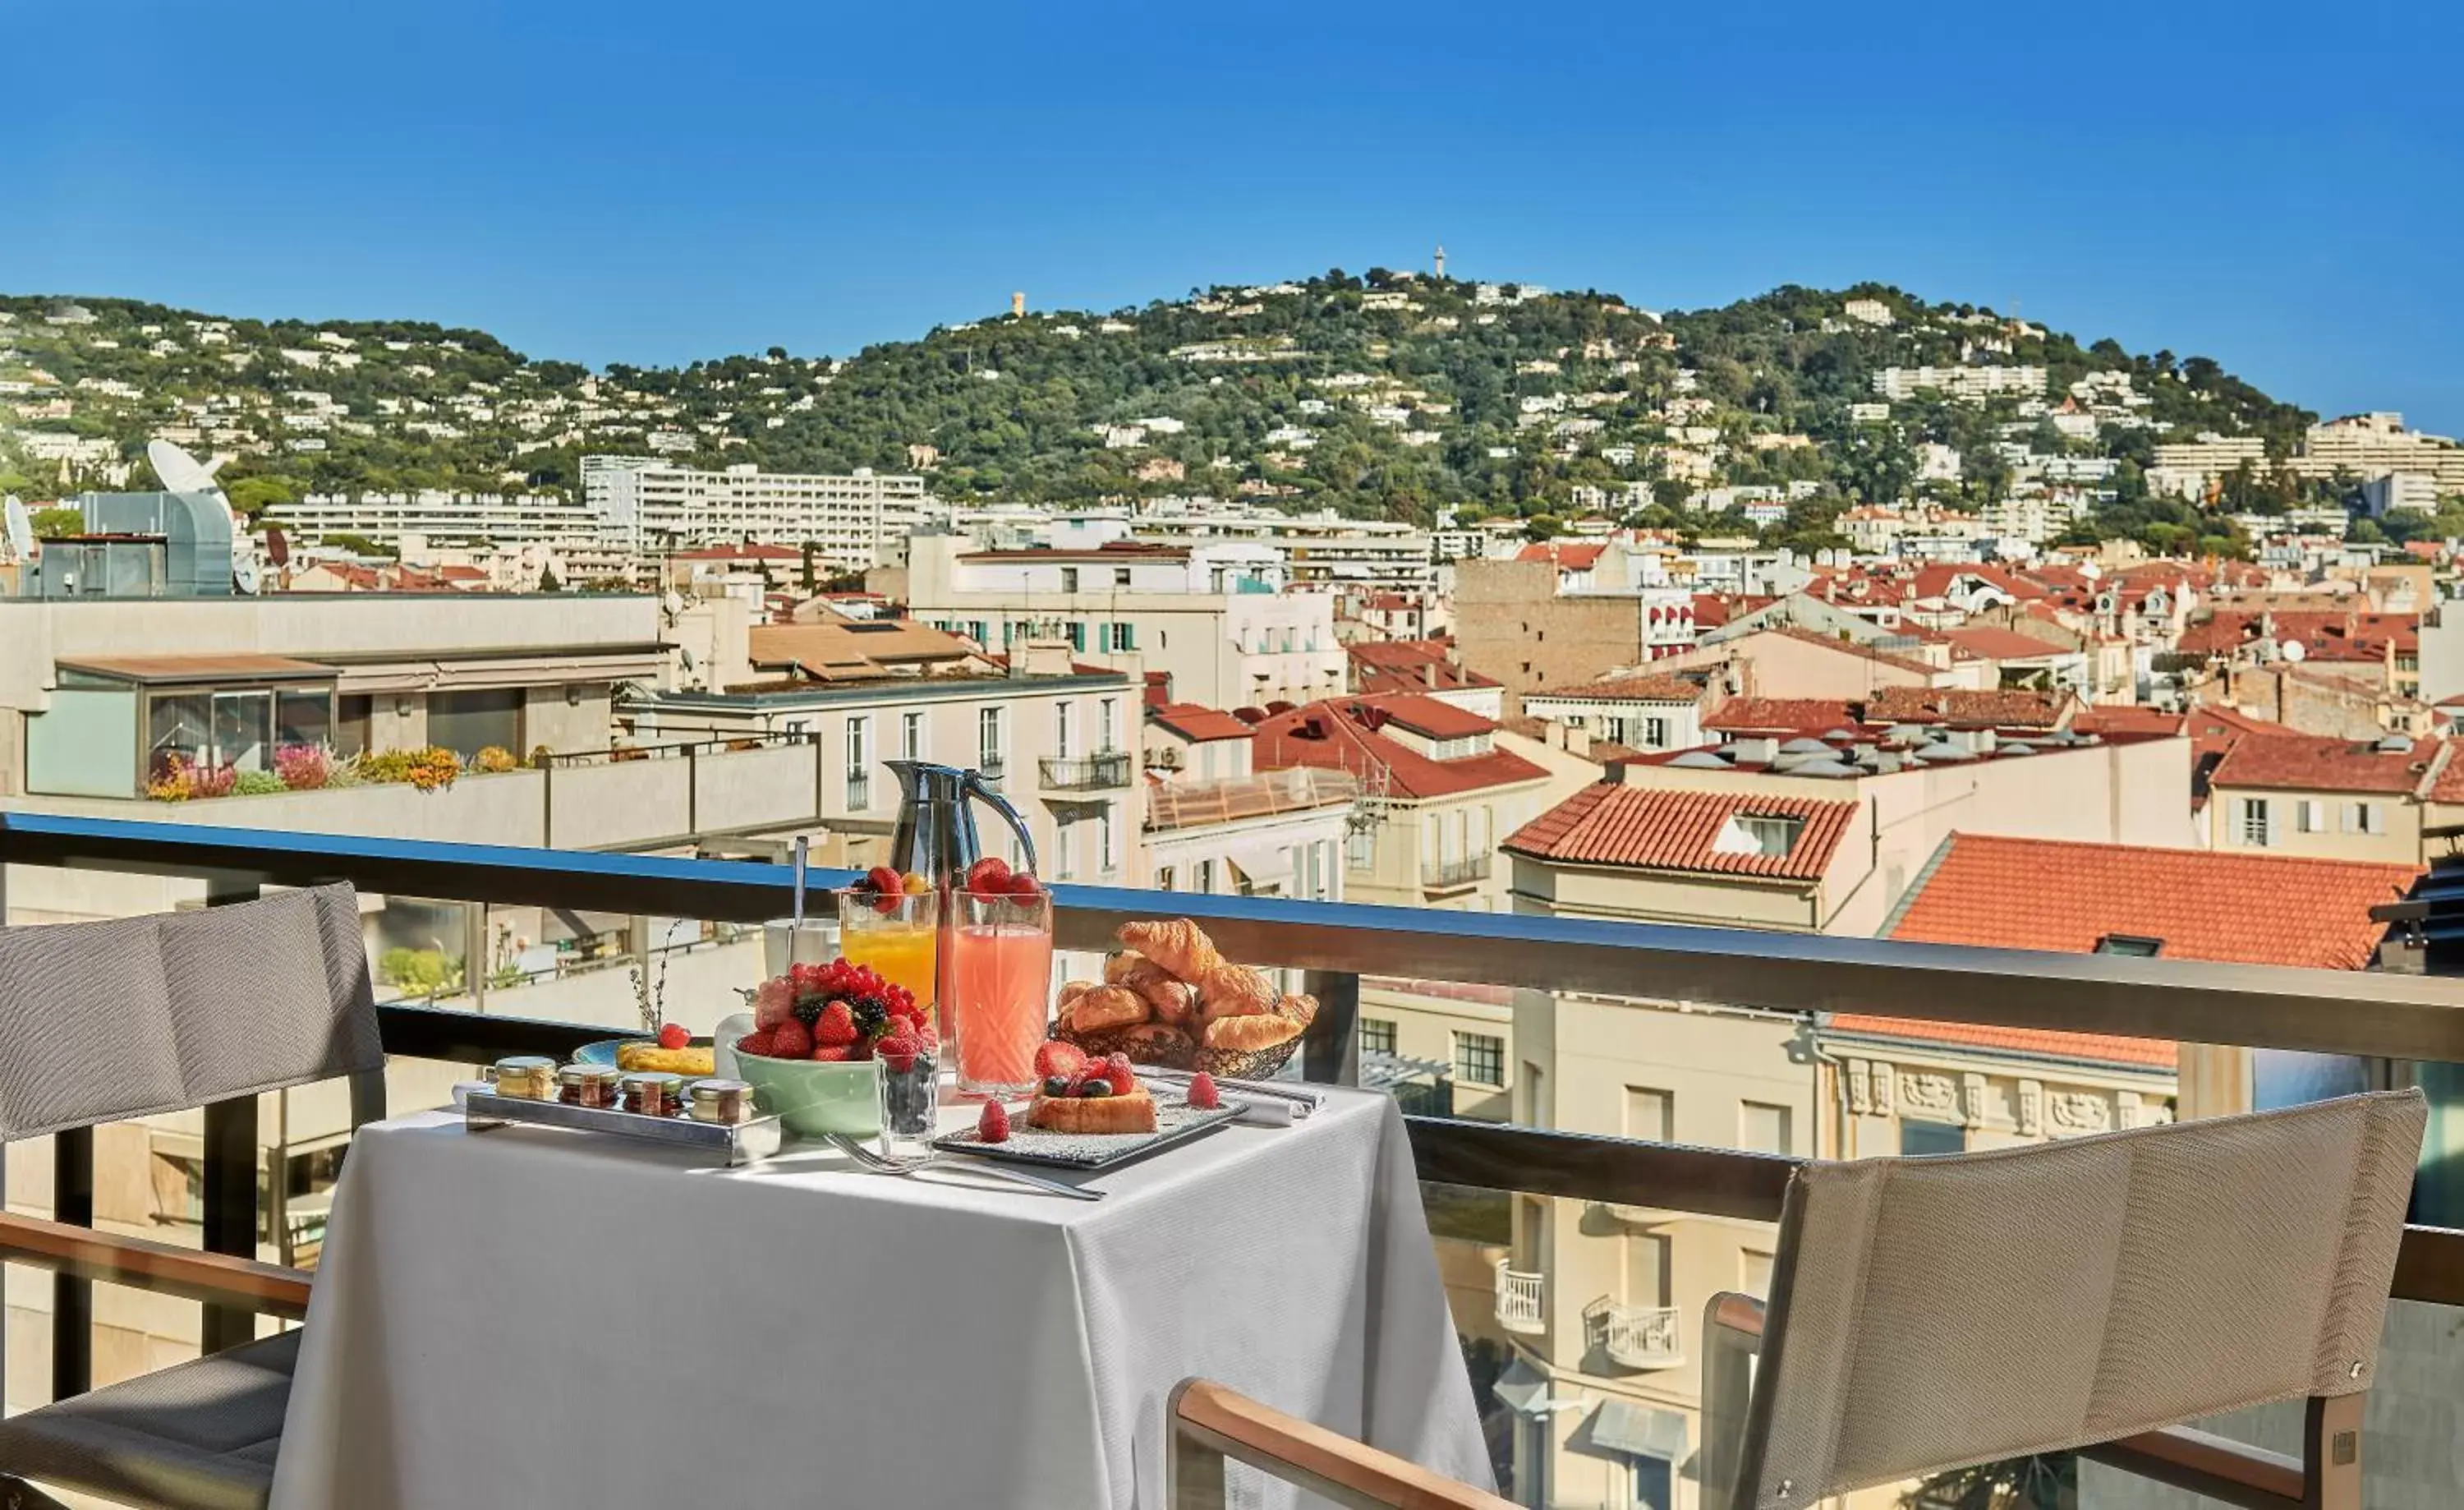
(1389, 396)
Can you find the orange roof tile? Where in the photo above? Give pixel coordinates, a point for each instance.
(1198, 722)
(1638, 686)
(1820, 715)
(1651, 828)
(2308, 761)
(2005, 708)
(1338, 733)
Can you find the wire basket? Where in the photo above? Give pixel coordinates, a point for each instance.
(1170, 1049)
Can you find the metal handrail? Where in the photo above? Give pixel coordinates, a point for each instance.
(2368, 1013)
(1100, 771)
(1521, 1299)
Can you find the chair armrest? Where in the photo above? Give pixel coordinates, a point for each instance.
(217, 1278)
(2207, 1464)
(1732, 1338)
(1219, 1423)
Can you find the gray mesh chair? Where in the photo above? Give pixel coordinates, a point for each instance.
(1936, 1313)
(104, 1021)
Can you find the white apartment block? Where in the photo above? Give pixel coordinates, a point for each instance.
(2399, 491)
(1972, 383)
(2183, 469)
(857, 519)
(459, 519)
(2374, 445)
(1224, 636)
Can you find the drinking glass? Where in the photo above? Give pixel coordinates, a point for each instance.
(999, 988)
(898, 937)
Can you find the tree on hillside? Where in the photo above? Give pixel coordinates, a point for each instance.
(51, 523)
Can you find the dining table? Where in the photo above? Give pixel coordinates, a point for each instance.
(538, 1316)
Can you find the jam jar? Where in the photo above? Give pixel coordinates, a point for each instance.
(587, 1084)
(652, 1093)
(529, 1077)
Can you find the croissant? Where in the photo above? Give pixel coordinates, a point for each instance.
(1243, 1033)
(1180, 947)
(1299, 1009)
(1235, 990)
(1173, 1001)
(1107, 1006)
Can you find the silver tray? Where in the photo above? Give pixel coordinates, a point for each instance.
(1175, 1122)
(735, 1142)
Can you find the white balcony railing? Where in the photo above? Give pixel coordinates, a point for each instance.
(1636, 1336)
(1521, 1299)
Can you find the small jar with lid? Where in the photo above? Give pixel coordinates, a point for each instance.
(719, 1099)
(528, 1077)
(591, 1085)
(651, 1093)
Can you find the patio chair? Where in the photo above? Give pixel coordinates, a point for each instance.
(1212, 1426)
(104, 1021)
(1936, 1313)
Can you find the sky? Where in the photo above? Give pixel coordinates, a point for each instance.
(2280, 187)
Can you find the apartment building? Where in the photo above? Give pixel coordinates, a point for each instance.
(436, 516)
(2365, 799)
(1641, 711)
(1517, 625)
(1272, 833)
(1438, 790)
(1219, 633)
(2187, 468)
(1313, 550)
(1973, 384)
(857, 522)
(2374, 445)
(1052, 736)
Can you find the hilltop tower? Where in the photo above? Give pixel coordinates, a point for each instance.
(1017, 305)
(1441, 260)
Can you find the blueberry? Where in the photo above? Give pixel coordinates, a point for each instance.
(1058, 1085)
(1094, 1088)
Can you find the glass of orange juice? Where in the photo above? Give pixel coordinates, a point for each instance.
(898, 935)
(999, 988)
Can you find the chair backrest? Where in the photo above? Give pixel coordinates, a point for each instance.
(101, 1021)
(1933, 1313)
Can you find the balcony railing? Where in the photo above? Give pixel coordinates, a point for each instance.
(2380, 1016)
(1469, 871)
(1522, 1301)
(1104, 770)
(1636, 1336)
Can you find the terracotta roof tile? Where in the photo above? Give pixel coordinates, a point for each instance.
(2004, 709)
(1820, 715)
(1639, 686)
(1336, 733)
(1199, 723)
(1991, 642)
(2308, 761)
(1851, 648)
(1650, 828)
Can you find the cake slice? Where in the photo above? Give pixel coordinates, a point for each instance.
(1133, 1113)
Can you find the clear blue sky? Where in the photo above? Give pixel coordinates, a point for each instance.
(2278, 187)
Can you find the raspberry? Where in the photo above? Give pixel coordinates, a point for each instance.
(1202, 1092)
(899, 1043)
(833, 1054)
(758, 1043)
(835, 1026)
(1056, 1060)
(674, 1035)
(790, 1041)
(992, 1126)
(1119, 1076)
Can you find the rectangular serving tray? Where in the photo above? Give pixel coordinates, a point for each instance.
(731, 1143)
(1175, 1123)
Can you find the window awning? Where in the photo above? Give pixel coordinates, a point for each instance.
(1264, 865)
(170, 671)
(1638, 1430)
(1524, 1388)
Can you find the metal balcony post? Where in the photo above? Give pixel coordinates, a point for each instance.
(72, 1298)
(231, 1160)
(1331, 1048)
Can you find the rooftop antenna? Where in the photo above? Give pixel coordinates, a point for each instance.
(19, 530)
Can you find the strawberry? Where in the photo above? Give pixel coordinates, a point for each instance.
(992, 1126)
(989, 877)
(758, 1043)
(927, 1041)
(833, 1054)
(1202, 1092)
(790, 1041)
(1056, 1060)
(1118, 1074)
(1022, 884)
(898, 1047)
(835, 1026)
(884, 880)
(674, 1035)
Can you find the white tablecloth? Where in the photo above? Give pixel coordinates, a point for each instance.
(536, 1318)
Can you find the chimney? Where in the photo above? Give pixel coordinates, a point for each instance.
(1429, 675)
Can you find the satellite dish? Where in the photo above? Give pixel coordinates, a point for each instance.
(180, 472)
(244, 576)
(278, 549)
(2294, 650)
(19, 530)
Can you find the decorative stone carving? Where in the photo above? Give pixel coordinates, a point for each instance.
(2032, 1108)
(1880, 1077)
(2080, 1111)
(1860, 1099)
(1929, 1093)
(1971, 1099)
(2126, 1109)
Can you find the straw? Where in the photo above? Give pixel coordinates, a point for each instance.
(801, 841)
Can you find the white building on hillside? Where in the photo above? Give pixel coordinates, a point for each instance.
(858, 521)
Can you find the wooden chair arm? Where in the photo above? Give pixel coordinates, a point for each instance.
(1326, 1463)
(215, 1279)
(2206, 1464)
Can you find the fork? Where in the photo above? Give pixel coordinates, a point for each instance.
(882, 1163)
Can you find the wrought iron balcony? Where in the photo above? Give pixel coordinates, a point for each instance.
(1636, 1336)
(1522, 1301)
(1446, 874)
(1104, 770)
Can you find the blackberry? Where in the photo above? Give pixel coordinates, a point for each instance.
(872, 1015)
(808, 1011)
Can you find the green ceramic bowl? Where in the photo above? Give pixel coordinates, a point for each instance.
(815, 1098)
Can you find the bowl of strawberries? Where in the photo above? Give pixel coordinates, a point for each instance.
(826, 1042)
